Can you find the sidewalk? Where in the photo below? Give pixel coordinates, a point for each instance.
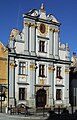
(20, 116)
(34, 116)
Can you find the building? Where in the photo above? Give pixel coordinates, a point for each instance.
(73, 81)
(3, 76)
(38, 62)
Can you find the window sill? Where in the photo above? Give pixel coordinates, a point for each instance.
(42, 76)
(42, 52)
(23, 74)
(59, 77)
(22, 100)
(58, 100)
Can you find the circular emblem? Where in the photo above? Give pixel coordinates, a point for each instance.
(42, 28)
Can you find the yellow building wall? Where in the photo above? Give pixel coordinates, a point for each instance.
(4, 71)
(3, 64)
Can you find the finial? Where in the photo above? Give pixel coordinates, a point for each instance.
(42, 6)
(67, 48)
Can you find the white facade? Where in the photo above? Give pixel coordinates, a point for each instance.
(38, 61)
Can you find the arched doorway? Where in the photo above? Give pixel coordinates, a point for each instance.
(41, 98)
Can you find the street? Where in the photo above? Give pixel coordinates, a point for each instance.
(19, 117)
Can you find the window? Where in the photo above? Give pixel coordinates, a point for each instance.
(22, 93)
(23, 68)
(42, 46)
(58, 94)
(42, 70)
(58, 73)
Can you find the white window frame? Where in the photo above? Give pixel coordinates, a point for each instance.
(25, 67)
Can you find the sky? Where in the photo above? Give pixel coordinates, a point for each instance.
(65, 11)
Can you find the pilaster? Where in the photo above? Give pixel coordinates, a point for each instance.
(66, 89)
(33, 38)
(51, 82)
(51, 43)
(56, 44)
(11, 81)
(32, 83)
(26, 37)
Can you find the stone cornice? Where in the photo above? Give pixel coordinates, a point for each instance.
(42, 20)
(38, 58)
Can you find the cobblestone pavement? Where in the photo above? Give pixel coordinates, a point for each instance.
(20, 117)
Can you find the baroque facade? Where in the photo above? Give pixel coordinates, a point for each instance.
(38, 62)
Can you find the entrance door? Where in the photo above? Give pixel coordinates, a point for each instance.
(41, 98)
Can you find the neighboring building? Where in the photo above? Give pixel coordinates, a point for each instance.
(3, 75)
(39, 63)
(73, 80)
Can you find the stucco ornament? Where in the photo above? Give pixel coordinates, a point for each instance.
(50, 17)
(14, 33)
(33, 12)
(43, 29)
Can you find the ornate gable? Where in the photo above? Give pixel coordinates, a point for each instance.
(41, 15)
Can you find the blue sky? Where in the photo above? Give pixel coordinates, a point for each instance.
(64, 10)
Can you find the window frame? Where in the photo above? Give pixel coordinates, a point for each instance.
(22, 93)
(42, 46)
(41, 70)
(58, 72)
(23, 69)
(58, 94)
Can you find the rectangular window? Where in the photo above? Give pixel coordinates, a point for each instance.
(58, 73)
(42, 46)
(58, 94)
(42, 70)
(22, 93)
(23, 68)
